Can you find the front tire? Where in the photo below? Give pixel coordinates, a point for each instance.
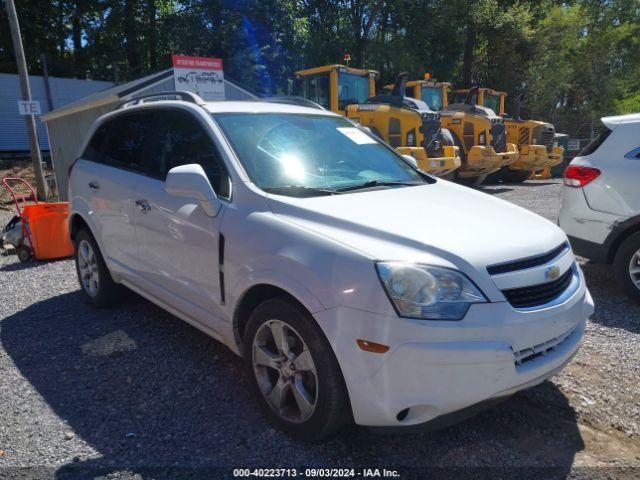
(96, 284)
(294, 371)
(626, 266)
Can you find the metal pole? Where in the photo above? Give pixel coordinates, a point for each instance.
(36, 159)
(47, 85)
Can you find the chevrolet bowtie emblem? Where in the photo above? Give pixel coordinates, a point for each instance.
(552, 273)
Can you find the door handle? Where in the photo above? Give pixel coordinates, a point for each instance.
(94, 186)
(143, 205)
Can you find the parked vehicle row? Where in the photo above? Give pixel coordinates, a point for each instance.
(299, 239)
(426, 119)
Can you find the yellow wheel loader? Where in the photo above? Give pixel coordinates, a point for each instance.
(534, 138)
(479, 132)
(408, 126)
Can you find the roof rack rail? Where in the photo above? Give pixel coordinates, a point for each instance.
(181, 95)
(293, 100)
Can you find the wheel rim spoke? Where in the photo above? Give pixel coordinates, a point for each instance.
(261, 356)
(280, 337)
(277, 395)
(304, 362)
(302, 397)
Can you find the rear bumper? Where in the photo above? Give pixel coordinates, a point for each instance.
(436, 368)
(590, 231)
(536, 157)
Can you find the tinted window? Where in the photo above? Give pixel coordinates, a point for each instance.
(127, 139)
(178, 139)
(352, 89)
(595, 143)
(492, 102)
(432, 96)
(314, 88)
(93, 151)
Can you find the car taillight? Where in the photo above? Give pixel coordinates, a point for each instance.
(73, 164)
(577, 176)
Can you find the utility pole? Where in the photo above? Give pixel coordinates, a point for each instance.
(36, 159)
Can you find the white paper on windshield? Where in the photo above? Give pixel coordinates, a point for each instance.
(356, 136)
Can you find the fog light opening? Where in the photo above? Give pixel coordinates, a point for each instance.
(402, 414)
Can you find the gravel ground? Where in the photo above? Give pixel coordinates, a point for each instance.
(133, 392)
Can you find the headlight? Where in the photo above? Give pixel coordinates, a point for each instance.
(482, 139)
(426, 292)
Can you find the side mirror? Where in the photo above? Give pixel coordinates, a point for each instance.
(190, 181)
(411, 160)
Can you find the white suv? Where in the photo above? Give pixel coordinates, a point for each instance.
(355, 286)
(601, 205)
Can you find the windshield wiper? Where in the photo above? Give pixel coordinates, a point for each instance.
(375, 183)
(299, 190)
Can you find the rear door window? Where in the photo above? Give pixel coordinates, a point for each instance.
(179, 139)
(127, 141)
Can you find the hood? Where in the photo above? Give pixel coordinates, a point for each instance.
(441, 222)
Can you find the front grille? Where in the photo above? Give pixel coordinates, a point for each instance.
(498, 137)
(431, 132)
(547, 140)
(527, 262)
(535, 295)
(528, 354)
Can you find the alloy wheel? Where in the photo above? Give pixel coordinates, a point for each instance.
(285, 371)
(634, 269)
(88, 268)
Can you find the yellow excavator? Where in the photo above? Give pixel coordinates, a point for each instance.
(406, 124)
(479, 132)
(535, 139)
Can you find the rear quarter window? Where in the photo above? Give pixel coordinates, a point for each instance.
(94, 148)
(595, 143)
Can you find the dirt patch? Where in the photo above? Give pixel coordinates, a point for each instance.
(22, 169)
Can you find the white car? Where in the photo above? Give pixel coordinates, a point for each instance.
(601, 205)
(356, 287)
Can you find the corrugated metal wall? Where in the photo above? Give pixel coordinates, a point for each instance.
(13, 131)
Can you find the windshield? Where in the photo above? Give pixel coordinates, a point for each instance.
(460, 97)
(432, 96)
(492, 101)
(314, 88)
(284, 150)
(352, 89)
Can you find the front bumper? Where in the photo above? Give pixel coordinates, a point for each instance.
(434, 165)
(510, 156)
(481, 160)
(434, 368)
(536, 157)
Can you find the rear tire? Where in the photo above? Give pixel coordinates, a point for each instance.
(97, 286)
(305, 396)
(626, 266)
(515, 176)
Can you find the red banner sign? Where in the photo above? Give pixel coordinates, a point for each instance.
(201, 63)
